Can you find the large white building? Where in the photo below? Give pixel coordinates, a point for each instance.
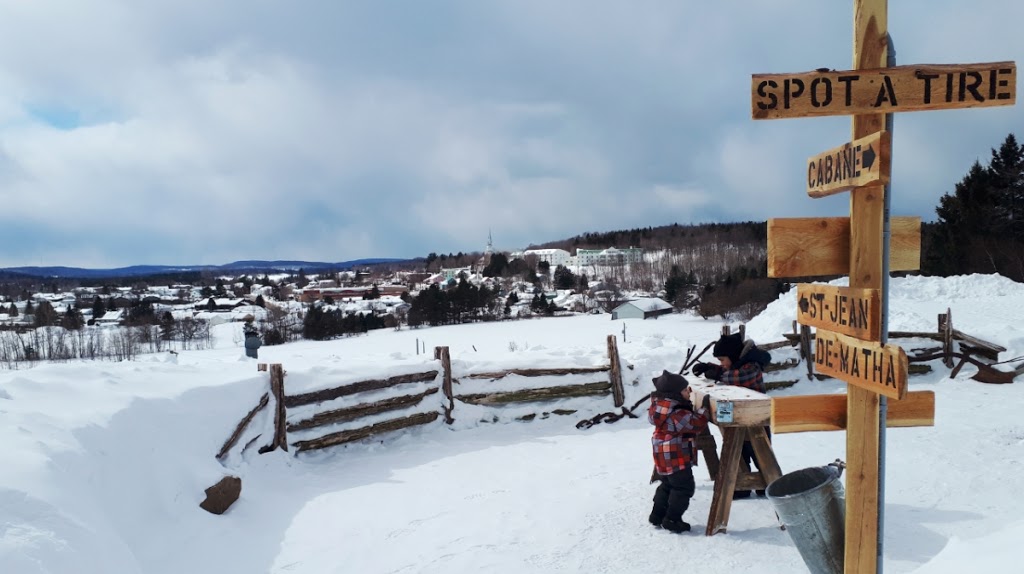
(554, 257)
(610, 256)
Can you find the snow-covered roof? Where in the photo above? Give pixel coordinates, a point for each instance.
(649, 304)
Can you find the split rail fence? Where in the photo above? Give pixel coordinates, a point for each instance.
(316, 412)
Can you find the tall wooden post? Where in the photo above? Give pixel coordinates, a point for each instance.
(867, 204)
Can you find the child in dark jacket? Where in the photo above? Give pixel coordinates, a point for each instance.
(676, 426)
(741, 365)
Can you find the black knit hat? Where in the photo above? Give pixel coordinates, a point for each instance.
(670, 383)
(729, 346)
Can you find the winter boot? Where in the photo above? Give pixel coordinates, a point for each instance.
(740, 494)
(675, 526)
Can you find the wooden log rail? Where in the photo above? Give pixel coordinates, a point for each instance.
(292, 401)
(283, 401)
(240, 428)
(601, 388)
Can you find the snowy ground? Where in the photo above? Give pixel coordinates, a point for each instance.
(104, 464)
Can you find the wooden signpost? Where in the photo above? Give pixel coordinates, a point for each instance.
(856, 164)
(881, 369)
(883, 90)
(809, 246)
(853, 312)
(854, 245)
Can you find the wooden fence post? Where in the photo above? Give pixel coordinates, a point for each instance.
(442, 354)
(946, 331)
(806, 351)
(277, 389)
(615, 372)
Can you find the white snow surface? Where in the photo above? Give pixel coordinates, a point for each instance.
(104, 464)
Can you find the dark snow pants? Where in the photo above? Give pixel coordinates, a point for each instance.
(674, 493)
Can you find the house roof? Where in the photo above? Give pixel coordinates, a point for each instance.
(648, 304)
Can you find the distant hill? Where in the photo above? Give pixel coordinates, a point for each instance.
(235, 268)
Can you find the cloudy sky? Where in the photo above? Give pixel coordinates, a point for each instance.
(198, 132)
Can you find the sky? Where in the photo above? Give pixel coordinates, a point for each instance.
(184, 132)
(105, 463)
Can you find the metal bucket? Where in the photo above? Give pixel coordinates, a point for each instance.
(811, 503)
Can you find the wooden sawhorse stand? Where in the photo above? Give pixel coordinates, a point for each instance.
(750, 413)
(731, 477)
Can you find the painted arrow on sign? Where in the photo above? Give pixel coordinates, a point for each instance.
(850, 166)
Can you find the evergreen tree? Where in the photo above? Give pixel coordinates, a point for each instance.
(496, 266)
(564, 278)
(980, 227)
(260, 302)
(167, 326)
(45, 315)
(72, 319)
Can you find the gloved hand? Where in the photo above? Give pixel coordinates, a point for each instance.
(699, 369)
(705, 403)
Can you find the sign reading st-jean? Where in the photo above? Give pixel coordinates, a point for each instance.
(847, 310)
(878, 368)
(883, 90)
(856, 164)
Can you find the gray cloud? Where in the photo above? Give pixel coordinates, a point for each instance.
(192, 132)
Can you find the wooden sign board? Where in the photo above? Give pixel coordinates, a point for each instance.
(883, 90)
(732, 406)
(846, 310)
(855, 164)
(870, 366)
(817, 246)
(804, 413)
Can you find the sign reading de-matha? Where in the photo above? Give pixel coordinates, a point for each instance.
(883, 90)
(878, 368)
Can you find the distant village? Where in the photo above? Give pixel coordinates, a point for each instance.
(364, 291)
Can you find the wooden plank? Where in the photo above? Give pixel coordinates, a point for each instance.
(913, 88)
(536, 372)
(360, 387)
(877, 368)
(721, 501)
(867, 204)
(807, 413)
(747, 407)
(343, 437)
(855, 164)
(543, 394)
(359, 411)
(707, 445)
(242, 425)
(817, 246)
(615, 372)
(846, 310)
(767, 463)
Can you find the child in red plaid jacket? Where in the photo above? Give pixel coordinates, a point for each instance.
(676, 426)
(741, 365)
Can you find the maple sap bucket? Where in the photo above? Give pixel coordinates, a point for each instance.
(812, 504)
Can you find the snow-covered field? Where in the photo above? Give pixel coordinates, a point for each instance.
(104, 464)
